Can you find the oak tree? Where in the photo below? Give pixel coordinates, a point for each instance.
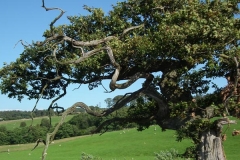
(178, 47)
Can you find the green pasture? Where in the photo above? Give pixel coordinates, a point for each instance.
(128, 144)
(120, 145)
(16, 123)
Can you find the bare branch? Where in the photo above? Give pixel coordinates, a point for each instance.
(22, 43)
(83, 43)
(106, 91)
(57, 18)
(118, 105)
(225, 120)
(77, 87)
(113, 85)
(124, 101)
(50, 136)
(53, 101)
(81, 59)
(43, 89)
(38, 141)
(83, 54)
(76, 43)
(224, 56)
(119, 119)
(163, 108)
(131, 28)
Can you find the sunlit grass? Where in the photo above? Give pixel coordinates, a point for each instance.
(112, 145)
(120, 145)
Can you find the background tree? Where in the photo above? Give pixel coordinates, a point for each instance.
(109, 102)
(45, 122)
(4, 138)
(173, 45)
(23, 124)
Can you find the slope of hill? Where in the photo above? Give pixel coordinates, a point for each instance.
(126, 144)
(120, 145)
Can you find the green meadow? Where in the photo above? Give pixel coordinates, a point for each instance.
(120, 145)
(16, 123)
(127, 144)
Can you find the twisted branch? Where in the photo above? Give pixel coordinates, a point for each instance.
(118, 105)
(53, 101)
(57, 18)
(113, 85)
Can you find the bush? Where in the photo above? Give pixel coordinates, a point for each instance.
(23, 124)
(85, 156)
(45, 122)
(167, 155)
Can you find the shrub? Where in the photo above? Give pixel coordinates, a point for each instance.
(85, 156)
(45, 122)
(171, 154)
(23, 124)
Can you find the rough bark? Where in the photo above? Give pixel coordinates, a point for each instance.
(210, 147)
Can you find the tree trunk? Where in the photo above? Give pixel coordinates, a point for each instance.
(210, 147)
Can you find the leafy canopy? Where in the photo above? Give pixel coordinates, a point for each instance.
(177, 46)
(172, 38)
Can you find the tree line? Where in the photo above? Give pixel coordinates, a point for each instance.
(18, 114)
(80, 124)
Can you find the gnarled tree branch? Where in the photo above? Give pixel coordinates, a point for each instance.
(57, 18)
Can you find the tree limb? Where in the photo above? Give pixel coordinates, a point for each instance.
(57, 18)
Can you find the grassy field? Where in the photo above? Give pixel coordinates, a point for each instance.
(120, 145)
(112, 145)
(16, 123)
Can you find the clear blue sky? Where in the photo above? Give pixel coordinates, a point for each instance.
(27, 20)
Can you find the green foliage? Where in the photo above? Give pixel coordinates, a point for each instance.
(15, 114)
(4, 138)
(13, 133)
(180, 109)
(67, 130)
(23, 124)
(190, 152)
(84, 121)
(141, 111)
(109, 102)
(3, 128)
(193, 128)
(171, 154)
(12, 115)
(183, 33)
(45, 122)
(86, 156)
